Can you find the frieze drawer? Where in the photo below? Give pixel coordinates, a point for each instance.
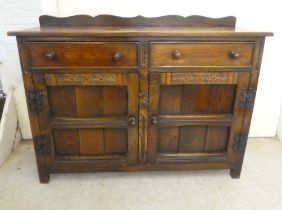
(83, 54)
(201, 54)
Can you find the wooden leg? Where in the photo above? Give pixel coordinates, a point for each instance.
(44, 178)
(235, 173)
(43, 169)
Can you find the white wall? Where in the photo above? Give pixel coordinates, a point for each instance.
(279, 127)
(261, 15)
(15, 15)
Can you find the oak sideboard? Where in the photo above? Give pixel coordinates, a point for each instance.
(109, 93)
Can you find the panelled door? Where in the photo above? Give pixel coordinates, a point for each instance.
(194, 116)
(90, 116)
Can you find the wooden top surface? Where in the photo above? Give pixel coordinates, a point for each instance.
(137, 31)
(108, 25)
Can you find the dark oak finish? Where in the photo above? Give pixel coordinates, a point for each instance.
(72, 54)
(110, 20)
(137, 31)
(201, 54)
(109, 25)
(109, 93)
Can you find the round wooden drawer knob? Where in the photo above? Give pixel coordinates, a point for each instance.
(234, 55)
(176, 54)
(50, 55)
(117, 56)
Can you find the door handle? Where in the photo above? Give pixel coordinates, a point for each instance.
(154, 120)
(131, 121)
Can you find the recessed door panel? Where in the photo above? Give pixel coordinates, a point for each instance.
(194, 115)
(91, 116)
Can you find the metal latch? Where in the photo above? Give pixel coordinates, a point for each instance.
(34, 100)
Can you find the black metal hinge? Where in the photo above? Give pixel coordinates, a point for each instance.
(41, 145)
(34, 100)
(240, 141)
(247, 98)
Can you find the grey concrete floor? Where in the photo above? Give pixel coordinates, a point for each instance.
(260, 186)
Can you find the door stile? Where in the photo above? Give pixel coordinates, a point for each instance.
(238, 114)
(154, 94)
(44, 114)
(132, 87)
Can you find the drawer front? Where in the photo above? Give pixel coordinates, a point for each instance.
(83, 54)
(201, 54)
